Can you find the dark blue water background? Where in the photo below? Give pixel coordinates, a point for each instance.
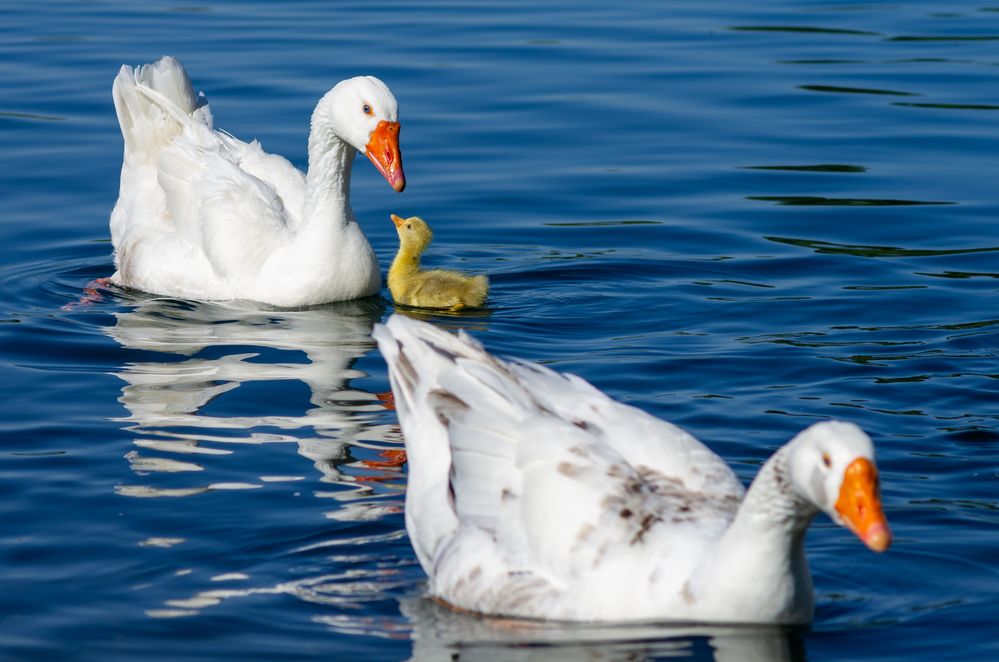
(743, 217)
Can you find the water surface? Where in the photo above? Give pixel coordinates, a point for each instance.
(741, 218)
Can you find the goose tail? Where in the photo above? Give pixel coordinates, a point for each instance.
(154, 102)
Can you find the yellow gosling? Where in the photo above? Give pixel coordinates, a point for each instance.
(437, 288)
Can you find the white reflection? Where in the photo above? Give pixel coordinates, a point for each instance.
(440, 633)
(206, 351)
(349, 590)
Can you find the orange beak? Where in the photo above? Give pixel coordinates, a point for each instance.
(398, 220)
(859, 505)
(383, 150)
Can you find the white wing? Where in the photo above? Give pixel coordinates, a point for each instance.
(197, 197)
(644, 441)
(236, 218)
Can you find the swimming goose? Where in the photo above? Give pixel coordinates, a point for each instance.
(532, 494)
(434, 288)
(202, 215)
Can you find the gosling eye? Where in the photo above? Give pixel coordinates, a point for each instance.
(408, 226)
(826, 460)
(367, 109)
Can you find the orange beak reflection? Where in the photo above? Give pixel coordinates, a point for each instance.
(859, 505)
(383, 150)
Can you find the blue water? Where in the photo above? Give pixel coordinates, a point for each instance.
(742, 217)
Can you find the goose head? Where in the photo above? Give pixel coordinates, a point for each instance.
(363, 112)
(414, 233)
(831, 465)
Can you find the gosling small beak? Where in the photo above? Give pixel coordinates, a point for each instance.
(383, 150)
(398, 220)
(859, 505)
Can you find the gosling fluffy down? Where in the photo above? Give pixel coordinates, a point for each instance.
(436, 288)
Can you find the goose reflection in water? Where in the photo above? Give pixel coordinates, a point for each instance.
(215, 349)
(440, 634)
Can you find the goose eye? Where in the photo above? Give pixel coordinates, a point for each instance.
(826, 460)
(408, 226)
(367, 109)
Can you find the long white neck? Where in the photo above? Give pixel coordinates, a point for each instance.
(759, 565)
(327, 196)
(328, 257)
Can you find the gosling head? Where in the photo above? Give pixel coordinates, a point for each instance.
(414, 233)
(832, 466)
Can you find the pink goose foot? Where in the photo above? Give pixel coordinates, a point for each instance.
(92, 293)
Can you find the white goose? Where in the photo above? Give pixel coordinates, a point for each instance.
(532, 494)
(202, 215)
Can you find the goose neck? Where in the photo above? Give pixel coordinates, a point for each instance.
(758, 566)
(407, 261)
(772, 512)
(328, 179)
